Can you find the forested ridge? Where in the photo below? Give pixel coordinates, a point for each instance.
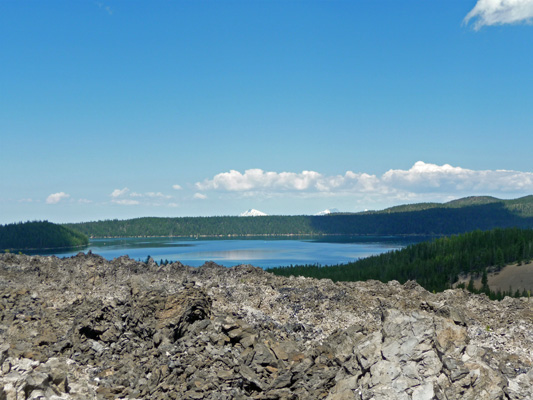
(459, 216)
(193, 226)
(522, 206)
(436, 264)
(39, 235)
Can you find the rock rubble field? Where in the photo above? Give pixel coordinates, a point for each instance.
(88, 328)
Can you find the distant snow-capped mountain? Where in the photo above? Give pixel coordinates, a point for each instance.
(252, 213)
(328, 211)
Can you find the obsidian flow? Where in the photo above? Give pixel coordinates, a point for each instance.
(84, 327)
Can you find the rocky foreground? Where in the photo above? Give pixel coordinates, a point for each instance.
(86, 328)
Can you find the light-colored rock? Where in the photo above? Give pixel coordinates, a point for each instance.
(423, 392)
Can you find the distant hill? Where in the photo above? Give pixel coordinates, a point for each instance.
(38, 235)
(458, 216)
(522, 206)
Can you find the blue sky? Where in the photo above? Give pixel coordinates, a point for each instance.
(120, 109)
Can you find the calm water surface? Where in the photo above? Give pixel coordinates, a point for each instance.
(260, 252)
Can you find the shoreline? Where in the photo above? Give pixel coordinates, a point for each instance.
(267, 235)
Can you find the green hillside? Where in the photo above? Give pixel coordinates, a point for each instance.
(522, 206)
(435, 265)
(39, 235)
(454, 217)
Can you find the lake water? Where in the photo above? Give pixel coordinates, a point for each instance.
(260, 252)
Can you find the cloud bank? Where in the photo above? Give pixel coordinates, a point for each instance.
(259, 180)
(421, 180)
(499, 12)
(288, 190)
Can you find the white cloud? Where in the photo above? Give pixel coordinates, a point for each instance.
(55, 198)
(84, 201)
(259, 180)
(176, 187)
(424, 175)
(117, 197)
(421, 181)
(119, 192)
(499, 12)
(105, 7)
(427, 177)
(126, 197)
(158, 195)
(150, 195)
(200, 196)
(125, 202)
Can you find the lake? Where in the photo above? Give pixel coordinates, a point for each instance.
(260, 252)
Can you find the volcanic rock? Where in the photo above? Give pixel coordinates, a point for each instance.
(84, 327)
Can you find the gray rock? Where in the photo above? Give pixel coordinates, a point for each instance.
(88, 328)
(3, 352)
(282, 381)
(251, 377)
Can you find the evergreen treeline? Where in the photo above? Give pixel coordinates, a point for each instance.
(435, 265)
(39, 235)
(443, 220)
(192, 226)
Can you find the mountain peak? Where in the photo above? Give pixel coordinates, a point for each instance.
(252, 212)
(328, 211)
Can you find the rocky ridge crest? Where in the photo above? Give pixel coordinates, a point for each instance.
(85, 327)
